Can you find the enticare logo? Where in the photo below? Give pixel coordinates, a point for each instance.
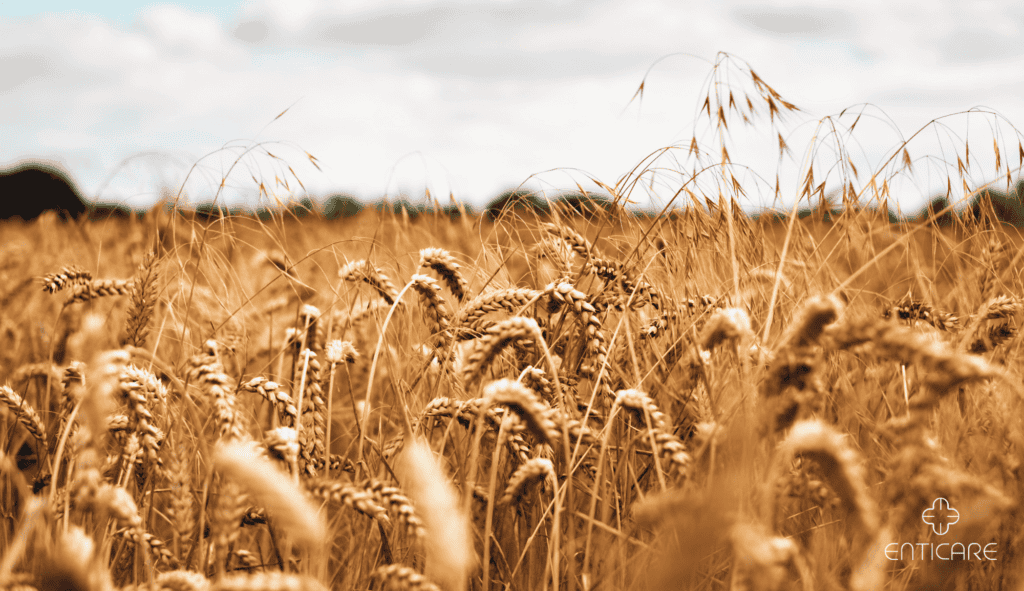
(940, 516)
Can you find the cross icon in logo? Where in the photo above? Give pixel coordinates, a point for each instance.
(940, 516)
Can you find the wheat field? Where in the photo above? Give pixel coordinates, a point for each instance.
(695, 398)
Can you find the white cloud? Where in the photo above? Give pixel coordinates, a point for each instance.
(475, 97)
(183, 32)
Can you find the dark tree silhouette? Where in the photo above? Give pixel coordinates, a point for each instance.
(29, 189)
(516, 202)
(588, 205)
(341, 206)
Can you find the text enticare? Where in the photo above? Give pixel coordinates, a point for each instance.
(940, 516)
(954, 551)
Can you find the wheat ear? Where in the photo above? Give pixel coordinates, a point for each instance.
(67, 276)
(25, 414)
(396, 577)
(499, 336)
(527, 405)
(272, 488)
(268, 581)
(448, 544)
(143, 299)
(444, 264)
(533, 471)
(362, 270)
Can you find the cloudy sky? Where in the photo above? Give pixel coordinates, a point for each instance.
(397, 97)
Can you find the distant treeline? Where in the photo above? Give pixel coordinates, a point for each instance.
(28, 190)
(1006, 207)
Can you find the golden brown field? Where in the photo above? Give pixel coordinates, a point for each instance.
(696, 400)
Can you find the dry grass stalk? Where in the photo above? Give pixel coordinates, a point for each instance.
(344, 320)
